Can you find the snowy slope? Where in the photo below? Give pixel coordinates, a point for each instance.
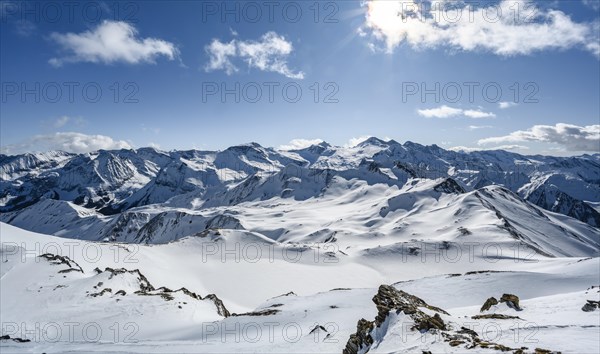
(316, 310)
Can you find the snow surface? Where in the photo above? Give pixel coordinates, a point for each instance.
(331, 294)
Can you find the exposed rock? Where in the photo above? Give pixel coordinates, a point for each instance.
(17, 339)
(495, 316)
(143, 281)
(317, 328)
(104, 291)
(361, 339)
(121, 292)
(56, 259)
(291, 293)
(318, 331)
(511, 300)
(221, 309)
(390, 299)
(266, 312)
(464, 231)
(147, 289)
(449, 186)
(544, 351)
(488, 304)
(591, 306)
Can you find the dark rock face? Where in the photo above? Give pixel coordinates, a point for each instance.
(591, 306)
(362, 337)
(488, 304)
(511, 300)
(449, 186)
(553, 199)
(390, 299)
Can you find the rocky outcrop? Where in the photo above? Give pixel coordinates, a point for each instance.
(361, 339)
(591, 306)
(147, 289)
(57, 259)
(495, 316)
(449, 186)
(511, 300)
(388, 299)
(488, 304)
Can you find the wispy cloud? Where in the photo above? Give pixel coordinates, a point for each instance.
(25, 28)
(594, 4)
(111, 42)
(571, 137)
(297, 144)
(270, 53)
(61, 121)
(477, 127)
(500, 147)
(447, 112)
(505, 105)
(67, 141)
(478, 114)
(220, 54)
(507, 28)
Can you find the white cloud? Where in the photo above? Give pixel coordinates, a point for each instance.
(270, 53)
(61, 121)
(111, 42)
(67, 141)
(447, 112)
(478, 114)
(441, 112)
(501, 147)
(297, 144)
(507, 28)
(505, 105)
(25, 28)
(355, 141)
(220, 54)
(571, 137)
(476, 127)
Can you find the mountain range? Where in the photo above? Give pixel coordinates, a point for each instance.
(152, 196)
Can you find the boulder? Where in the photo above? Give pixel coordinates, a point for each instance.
(488, 304)
(591, 306)
(511, 300)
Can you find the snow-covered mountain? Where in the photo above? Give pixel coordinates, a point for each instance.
(152, 196)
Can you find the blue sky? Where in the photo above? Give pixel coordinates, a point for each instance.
(161, 68)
